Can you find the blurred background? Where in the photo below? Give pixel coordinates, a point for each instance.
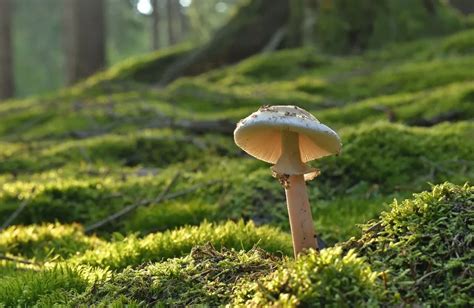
(40, 36)
(47, 44)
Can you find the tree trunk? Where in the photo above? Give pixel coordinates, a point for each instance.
(246, 34)
(85, 38)
(310, 17)
(184, 24)
(154, 24)
(296, 22)
(6, 53)
(170, 18)
(464, 6)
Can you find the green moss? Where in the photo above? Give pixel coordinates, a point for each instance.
(129, 73)
(204, 277)
(395, 157)
(425, 246)
(453, 102)
(326, 279)
(148, 148)
(405, 77)
(26, 288)
(85, 153)
(459, 43)
(160, 246)
(377, 161)
(418, 253)
(281, 65)
(169, 215)
(46, 241)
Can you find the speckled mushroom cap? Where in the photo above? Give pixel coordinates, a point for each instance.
(260, 133)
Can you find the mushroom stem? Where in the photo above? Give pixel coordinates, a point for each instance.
(299, 212)
(290, 158)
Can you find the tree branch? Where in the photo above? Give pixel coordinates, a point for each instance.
(132, 207)
(17, 260)
(15, 214)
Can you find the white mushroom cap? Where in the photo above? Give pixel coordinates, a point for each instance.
(260, 134)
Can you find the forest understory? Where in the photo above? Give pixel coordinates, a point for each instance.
(121, 191)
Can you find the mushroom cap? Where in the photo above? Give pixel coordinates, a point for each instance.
(259, 134)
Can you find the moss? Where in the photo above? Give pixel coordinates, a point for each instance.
(46, 241)
(453, 102)
(303, 76)
(361, 178)
(459, 43)
(148, 148)
(406, 77)
(204, 277)
(425, 246)
(82, 154)
(28, 287)
(170, 215)
(161, 246)
(315, 280)
(281, 65)
(415, 253)
(145, 68)
(395, 157)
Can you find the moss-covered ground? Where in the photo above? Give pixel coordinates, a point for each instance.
(200, 222)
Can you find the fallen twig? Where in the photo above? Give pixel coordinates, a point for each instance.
(132, 207)
(18, 260)
(450, 116)
(391, 116)
(15, 214)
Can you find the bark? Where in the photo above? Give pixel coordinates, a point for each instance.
(246, 34)
(310, 17)
(296, 22)
(430, 6)
(170, 18)
(7, 88)
(464, 6)
(184, 24)
(85, 38)
(154, 25)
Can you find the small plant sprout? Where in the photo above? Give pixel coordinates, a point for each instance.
(288, 137)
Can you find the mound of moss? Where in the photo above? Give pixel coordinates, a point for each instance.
(303, 77)
(133, 251)
(46, 241)
(378, 161)
(418, 253)
(150, 148)
(321, 279)
(49, 286)
(425, 247)
(396, 157)
(129, 73)
(205, 276)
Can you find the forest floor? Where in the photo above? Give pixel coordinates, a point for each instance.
(117, 191)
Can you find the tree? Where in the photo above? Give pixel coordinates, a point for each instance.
(85, 38)
(247, 33)
(6, 54)
(184, 23)
(464, 6)
(296, 23)
(155, 31)
(171, 19)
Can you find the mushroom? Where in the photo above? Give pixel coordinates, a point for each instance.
(288, 137)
